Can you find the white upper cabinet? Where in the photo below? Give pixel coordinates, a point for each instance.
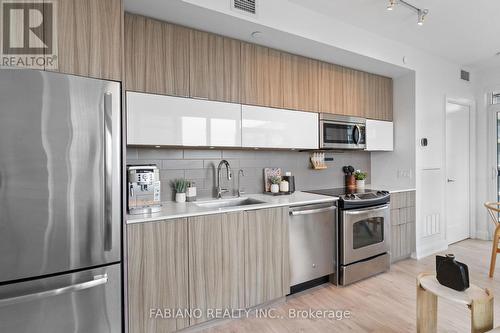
(379, 135)
(178, 121)
(264, 127)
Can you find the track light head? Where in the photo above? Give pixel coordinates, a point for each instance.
(422, 13)
(391, 4)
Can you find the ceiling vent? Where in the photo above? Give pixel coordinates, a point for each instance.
(464, 75)
(247, 6)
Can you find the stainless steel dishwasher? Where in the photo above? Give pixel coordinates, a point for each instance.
(312, 242)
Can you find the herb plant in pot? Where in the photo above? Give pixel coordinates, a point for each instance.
(180, 186)
(275, 184)
(360, 178)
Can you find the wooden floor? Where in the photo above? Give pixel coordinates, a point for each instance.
(384, 303)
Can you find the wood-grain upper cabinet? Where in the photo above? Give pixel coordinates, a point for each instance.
(89, 38)
(300, 79)
(156, 56)
(261, 76)
(157, 274)
(267, 272)
(216, 263)
(331, 89)
(214, 67)
(354, 92)
(379, 98)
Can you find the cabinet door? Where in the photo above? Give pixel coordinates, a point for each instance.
(331, 89)
(157, 274)
(177, 121)
(384, 99)
(379, 135)
(354, 92)
(214, 67)
(267, 271)
(156, 56)
(300, 79)
(261, 76)
(216, 271)
(89, 38)
(263, 127)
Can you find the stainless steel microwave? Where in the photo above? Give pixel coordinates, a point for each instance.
(341, 132)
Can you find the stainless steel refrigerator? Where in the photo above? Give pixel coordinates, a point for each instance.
(60, 203)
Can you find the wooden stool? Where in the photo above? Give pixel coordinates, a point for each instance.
(478, 300)
(493, 210)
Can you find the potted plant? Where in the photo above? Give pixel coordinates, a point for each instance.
(275, 184)
(360, 178)
(180, 185)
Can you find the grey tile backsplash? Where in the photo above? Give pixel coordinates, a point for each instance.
(199, 165)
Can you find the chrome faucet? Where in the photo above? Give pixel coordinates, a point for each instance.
(219, 189)
(240, 173)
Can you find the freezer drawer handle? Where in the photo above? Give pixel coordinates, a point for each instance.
(311, 211)
(97, 281)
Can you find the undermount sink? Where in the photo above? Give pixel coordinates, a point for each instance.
(233, 202)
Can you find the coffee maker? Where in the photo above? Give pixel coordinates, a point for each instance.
(143, 189)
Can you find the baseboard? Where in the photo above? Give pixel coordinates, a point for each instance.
(430, 249)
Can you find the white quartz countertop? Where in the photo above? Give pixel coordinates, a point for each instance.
(174, 210)
(391, 189)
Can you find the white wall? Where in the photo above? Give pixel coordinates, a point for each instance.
(435, 78)
(488, 80)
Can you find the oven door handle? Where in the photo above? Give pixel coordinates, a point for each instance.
(365, 210)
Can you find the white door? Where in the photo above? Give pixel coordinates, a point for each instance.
(457, 172)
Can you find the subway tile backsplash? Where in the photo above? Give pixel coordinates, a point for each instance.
(199, 165)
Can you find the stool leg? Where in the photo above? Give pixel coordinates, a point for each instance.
(426, 311)
(493, 255)
(482, 315)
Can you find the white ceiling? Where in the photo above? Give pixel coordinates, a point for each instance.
(463, 31)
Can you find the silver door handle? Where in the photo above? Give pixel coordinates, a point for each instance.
(312, 211)
(365, 210)
(97, 281)
(359, 134)
(451, 180)
(108, 151)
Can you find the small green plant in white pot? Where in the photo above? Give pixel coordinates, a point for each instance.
(275, 184)
(360, 178)
(180, 186)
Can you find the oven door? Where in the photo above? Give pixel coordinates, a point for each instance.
(342, 135)
(365, 233)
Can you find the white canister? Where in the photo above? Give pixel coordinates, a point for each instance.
(180, 197)
(275, 188)
(284, 186)
(360, 183)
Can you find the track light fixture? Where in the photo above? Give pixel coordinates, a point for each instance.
(422, 13)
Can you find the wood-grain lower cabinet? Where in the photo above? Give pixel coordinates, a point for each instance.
(261, 76)
(402, 225)
(300, 79)
(157, 274)
(267, 271)
(214, 67)
(89, 38)
(156, 56)
(216, 263)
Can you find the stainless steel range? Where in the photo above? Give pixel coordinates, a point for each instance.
(364, 232)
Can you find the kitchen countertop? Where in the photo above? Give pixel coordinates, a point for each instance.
(391, 189)
(174, 210)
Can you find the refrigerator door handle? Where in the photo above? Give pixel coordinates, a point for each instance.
(108, 162)
(97, 281)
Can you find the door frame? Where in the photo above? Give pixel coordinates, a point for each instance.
(472, 167)
(492, 158)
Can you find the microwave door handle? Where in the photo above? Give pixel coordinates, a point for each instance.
(357, 138)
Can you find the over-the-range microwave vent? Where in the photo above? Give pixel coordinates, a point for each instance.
(464, 75)
(248, 6)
